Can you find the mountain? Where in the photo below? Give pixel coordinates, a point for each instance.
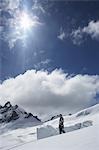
(52, 118)
(16, 117)
(82, 132)
(55, 117)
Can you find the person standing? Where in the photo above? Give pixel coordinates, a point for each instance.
(61, 124)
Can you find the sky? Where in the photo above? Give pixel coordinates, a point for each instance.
(51, 48)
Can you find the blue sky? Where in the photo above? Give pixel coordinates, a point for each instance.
(42, 42)
(50, 35)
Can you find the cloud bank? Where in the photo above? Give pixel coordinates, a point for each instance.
(46, 94)
(92, 30)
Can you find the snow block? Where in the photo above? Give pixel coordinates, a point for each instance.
(87, 123)
(78, 126)
(46, 131)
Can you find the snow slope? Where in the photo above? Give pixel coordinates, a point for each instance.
(86, 137)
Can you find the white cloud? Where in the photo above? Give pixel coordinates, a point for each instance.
(38, 7)
(42, 64)
(45, 61)
(13, 4)
(61, 35)
(9, 4)
(46, 94)
(91, 30)
(77, 36)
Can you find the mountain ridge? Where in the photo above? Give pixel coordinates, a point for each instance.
(10, 114)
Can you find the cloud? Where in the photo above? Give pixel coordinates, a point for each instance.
(45, 61)
(38, 7)
(61, 35)
(10, 27)
(47, 94)
(9, 4)
(77, 36)
(92, 30)
(1, 30)
(42, 64)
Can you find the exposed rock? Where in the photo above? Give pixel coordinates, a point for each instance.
(0, 106)
(28, 115)
(8, 105)
(14, 116)
(10, 113)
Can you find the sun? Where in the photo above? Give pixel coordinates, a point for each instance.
(24, 24)
(26, 21)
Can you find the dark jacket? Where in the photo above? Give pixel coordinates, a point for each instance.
(61, 122)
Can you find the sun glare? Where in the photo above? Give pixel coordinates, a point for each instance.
(26, 21)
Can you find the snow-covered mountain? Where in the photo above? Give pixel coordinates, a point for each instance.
(82, 132)
(52, 118)
(13, 117)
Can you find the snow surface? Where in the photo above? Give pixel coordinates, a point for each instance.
(85, 137)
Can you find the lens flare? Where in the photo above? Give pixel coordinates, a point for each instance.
(26, 21)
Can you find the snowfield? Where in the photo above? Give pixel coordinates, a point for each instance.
(82, 133)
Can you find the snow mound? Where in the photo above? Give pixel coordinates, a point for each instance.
(91, 110)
